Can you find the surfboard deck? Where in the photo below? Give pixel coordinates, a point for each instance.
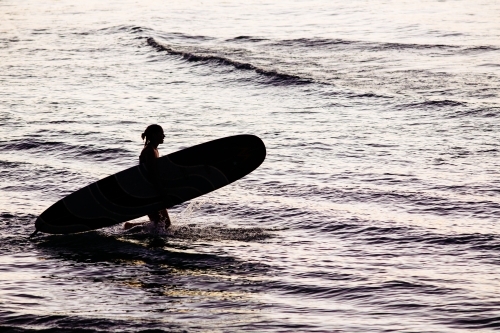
(137, 191)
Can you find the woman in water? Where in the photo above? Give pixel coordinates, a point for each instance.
(153, 136)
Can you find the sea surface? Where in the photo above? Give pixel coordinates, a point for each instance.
(376, 210)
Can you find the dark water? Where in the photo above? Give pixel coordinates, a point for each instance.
(376, 209)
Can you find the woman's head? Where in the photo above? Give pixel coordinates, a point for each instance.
(153, 134)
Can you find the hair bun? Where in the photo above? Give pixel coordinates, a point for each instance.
(143, 135)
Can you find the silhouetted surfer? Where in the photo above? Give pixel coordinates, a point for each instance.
(153, 136)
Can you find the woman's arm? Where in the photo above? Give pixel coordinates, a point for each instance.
(149, 157)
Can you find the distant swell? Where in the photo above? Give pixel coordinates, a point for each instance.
(433, 104)
(275, 76)
(60, 148)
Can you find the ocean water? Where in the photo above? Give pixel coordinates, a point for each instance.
(376, 209)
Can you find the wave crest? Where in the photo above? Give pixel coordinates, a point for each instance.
(275, 76)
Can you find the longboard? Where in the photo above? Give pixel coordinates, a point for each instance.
(139, 190)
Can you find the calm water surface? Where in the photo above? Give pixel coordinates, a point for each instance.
(376, 209)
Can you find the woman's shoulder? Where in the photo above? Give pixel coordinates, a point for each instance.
(148, 153)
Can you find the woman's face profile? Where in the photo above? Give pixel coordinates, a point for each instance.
(159, 136)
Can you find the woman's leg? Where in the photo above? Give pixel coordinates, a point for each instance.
(161, 216)
(165, 218)
(128, 225)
